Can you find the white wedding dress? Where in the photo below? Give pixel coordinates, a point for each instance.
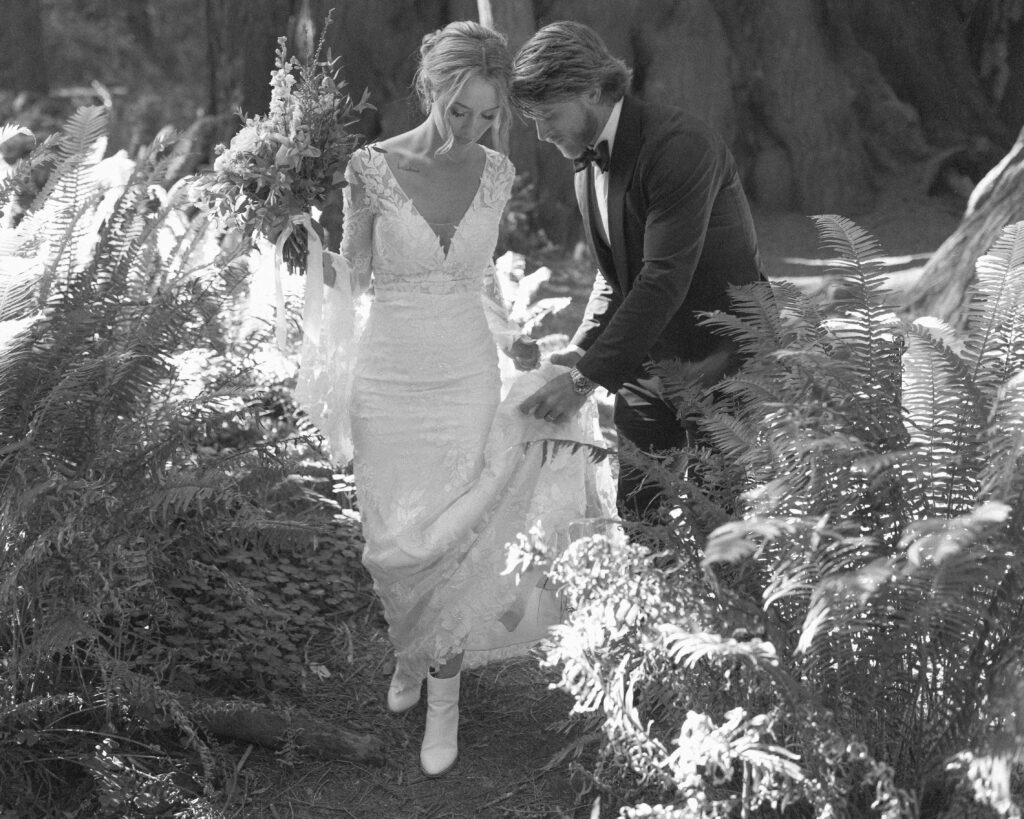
(444, 479)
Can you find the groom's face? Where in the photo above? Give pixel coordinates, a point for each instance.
(570, 125)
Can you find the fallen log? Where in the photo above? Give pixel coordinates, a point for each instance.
(246, 721)
(943, 288)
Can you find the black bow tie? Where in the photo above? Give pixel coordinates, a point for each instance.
(598, 155)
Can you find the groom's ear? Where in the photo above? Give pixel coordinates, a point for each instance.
(593, 96)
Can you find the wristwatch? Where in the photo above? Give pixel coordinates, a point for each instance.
(581, 385)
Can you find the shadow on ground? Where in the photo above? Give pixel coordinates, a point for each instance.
(512, 725)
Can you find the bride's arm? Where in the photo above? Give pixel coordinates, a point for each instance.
(357, 239)
(508, 335)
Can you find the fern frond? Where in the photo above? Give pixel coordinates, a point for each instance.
(19, 281)
(682, 388)
(995, 339)
(740, 539)
(689, 478)
(734, 437)
(856, 251)
(1002, 476)
(941, 408)
(29, 711)
(902, 620)
(551, 448)
(10, 130)
(688, 648)
(867, 331)
(85, 133)
(9, 181)
(755, 320)
(53, 225)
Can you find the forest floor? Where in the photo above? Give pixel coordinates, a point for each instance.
(513, 722)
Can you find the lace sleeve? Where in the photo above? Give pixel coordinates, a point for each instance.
(498, 297)
(357, 239)
(498, 286)
(333, 318)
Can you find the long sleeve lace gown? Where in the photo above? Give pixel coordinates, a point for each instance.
(443, 479)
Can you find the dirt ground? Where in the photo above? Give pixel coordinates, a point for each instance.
(908, 225)
(510, 715)
(509, 718)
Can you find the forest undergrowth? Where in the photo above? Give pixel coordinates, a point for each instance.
(827, 622)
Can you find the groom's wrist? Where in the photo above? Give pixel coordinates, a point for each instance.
(581, 385)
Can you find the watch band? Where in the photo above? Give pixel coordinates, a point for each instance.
(580, 383)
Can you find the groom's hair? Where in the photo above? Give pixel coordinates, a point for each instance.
(562, 60)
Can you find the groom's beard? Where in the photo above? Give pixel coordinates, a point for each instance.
(572, 144)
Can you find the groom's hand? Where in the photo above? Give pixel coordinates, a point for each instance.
(555, 402)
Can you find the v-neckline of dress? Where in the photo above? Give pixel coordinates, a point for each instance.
(445, 251)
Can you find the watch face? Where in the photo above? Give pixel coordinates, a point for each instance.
(580, 383)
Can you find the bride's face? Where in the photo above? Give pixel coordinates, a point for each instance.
(470, 113)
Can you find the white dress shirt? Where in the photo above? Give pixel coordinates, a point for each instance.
(601, 177)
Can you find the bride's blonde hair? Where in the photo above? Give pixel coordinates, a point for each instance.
(450, 57)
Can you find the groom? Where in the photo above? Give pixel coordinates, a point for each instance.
(666, 219)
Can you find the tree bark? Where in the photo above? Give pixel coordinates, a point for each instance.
(682, 54)
(800, 98)
(516, 19)
(213, 50)
(944, 286)
(1011, 105)
(23, 65)
(817, 98)
(513, 18)
(921, 46)
(262, 22)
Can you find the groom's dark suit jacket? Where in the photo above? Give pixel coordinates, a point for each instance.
(681, 232)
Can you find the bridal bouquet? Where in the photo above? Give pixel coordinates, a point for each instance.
(282, 164)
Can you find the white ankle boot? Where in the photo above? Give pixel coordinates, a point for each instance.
(441, 737)
(403, 693)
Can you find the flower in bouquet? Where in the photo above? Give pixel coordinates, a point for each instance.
(283, 164)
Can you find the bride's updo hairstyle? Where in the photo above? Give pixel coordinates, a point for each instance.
(450, 56)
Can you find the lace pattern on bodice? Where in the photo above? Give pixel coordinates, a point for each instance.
(384, 230)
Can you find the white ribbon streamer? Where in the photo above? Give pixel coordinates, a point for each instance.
(327, 357)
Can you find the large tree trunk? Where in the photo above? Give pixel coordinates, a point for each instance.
(553, 201)
(817, 98)
(809, 154)
(922, 48)
(261, 23)
(943, 289)
(22, 47)
(513, 18)
(1011, 101)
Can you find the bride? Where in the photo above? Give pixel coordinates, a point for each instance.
(443, 478)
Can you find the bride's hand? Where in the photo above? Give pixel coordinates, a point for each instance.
(567, 357)
(525, 353)
(330, 275)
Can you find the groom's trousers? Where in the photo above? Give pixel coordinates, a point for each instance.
(644, 417)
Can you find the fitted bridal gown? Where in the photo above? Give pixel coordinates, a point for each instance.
(443, 479)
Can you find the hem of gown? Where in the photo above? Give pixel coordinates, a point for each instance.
(470, 634)
(479, 657)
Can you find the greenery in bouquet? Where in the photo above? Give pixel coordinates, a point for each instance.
(282, 165)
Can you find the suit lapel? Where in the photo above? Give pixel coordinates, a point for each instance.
(628, 138)
(583, 197)
(584, 182)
